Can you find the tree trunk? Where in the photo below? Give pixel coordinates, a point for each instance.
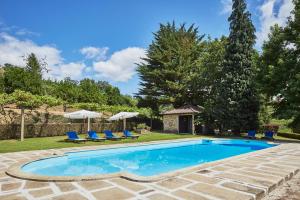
(22, 124)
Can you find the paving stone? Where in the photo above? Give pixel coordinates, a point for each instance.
(65, 187)
(260, 176)
(92, 185)
(146, 191)
(259, 193)
(13, 197)
(128, 184)
(268, 169)
(35, 184)
(200, 178)
(70, 196)
(160, 196)
(188, 195)
(287, 163)
(10, 186)
(173, 183)
(221, 168)
(204, 171)
(280, 167)
(270, 172)
(41, 192)
(253, 181)
(111, 194)
(218, 192)
(239, 165)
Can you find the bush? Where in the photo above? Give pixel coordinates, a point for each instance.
(290, 135)
(141, 126)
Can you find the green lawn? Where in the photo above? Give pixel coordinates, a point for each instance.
(58, 142)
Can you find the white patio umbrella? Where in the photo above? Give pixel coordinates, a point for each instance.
(83, 114)
(123, 116)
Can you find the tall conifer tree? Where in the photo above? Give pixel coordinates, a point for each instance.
(236, 103)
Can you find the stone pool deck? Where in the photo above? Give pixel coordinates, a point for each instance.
(248, 176)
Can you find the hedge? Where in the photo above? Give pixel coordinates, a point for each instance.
(290, 135)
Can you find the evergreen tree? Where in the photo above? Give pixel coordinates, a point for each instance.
(166, 72)
(237, 105)
(34, 69)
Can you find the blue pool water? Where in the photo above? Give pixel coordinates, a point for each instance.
(146, 160)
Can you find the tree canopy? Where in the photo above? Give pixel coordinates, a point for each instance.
(280, 65)
(236, 103)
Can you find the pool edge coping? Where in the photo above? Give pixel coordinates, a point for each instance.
(16, 171)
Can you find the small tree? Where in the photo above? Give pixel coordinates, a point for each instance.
(24, 100)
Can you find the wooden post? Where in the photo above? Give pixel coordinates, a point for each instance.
(193, 125)
(22, 123)
(124, 124)
(89, 128)
(178, 124)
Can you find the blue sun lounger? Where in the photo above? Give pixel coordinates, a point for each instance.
(73, 137)
(110, 136)
(128, 134)
(92, 135)
(251, 134)
(269, 135)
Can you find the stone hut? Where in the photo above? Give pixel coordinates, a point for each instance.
(181, 120)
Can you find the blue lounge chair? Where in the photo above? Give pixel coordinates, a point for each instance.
(251, 134)
(110, 136)
(128, 134)
(269, 135)
(73, 137)
(92, 135)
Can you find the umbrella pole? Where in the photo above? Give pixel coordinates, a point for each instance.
(124, 124)
(88, 124)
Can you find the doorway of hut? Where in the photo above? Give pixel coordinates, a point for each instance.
(185, 124)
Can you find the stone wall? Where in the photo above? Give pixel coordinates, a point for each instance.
(170, 123)
(12, 131)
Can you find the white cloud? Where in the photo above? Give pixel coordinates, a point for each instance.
(73, 70)
(12, 50)
(269, 17)
(25, 32)
(121, 65)
(226, 6)
(94, 52)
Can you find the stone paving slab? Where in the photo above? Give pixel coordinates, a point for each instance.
(248, 176)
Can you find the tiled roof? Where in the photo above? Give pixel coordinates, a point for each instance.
(188, 109)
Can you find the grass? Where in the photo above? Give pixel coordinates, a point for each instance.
(57, 142)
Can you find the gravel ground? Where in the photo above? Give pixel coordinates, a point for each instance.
(290, 190)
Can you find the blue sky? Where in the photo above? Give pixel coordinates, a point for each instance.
(102, 39)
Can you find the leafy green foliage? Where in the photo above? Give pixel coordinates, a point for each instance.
(280, 68)
(4, 99)
(89, 92)
(25, 99)
(166, 72)
(14, 78)
(50, 101)
(1, 80)
(237, 104)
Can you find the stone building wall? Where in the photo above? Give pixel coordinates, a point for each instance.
(170, 123)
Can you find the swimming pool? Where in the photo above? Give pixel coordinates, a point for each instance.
(144, 160)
